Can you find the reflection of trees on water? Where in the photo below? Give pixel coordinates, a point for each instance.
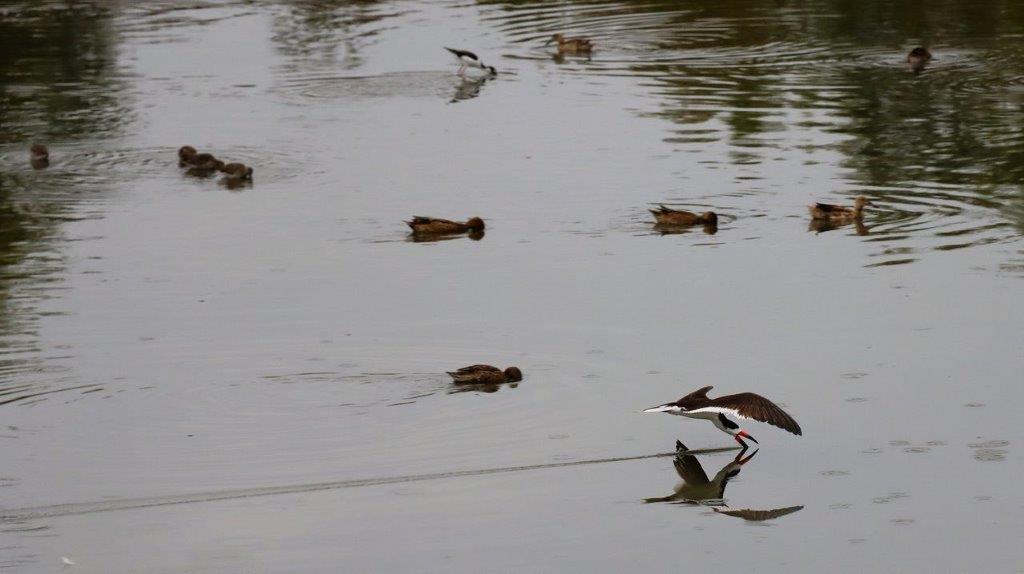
(328, 33)
(57, 72)
(767, 76)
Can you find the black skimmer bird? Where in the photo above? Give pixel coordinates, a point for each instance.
(696, 487)
(468, 59)
(697, 405)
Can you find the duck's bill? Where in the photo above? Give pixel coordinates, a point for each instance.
(659, 409)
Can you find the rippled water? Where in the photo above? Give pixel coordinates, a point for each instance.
(197, 377)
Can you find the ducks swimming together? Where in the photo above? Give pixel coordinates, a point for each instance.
(839, 213)
(204, 164)
(467, 59)
(578, 45)
(485, 375)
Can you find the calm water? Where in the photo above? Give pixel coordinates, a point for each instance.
(202, 379)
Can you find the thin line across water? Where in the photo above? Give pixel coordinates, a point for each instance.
(77, 508)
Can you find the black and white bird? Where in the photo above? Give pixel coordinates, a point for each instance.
(697, 405)
(468, 59)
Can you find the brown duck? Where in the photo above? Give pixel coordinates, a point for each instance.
(39, 156)
(667, 216)
(837, 213)
(434, 226)
(578, 45)
(236, 172)
(486, 375)
(919, 56)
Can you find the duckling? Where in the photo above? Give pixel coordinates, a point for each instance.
(39, 156)
(839, 212)
(486, 374)
(578, 45)
(430, 225)
(236, 172)
(679, 217)
(919, 56)
(206, 162)
(186, 155)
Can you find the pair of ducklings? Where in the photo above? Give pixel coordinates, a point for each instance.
(190, 157)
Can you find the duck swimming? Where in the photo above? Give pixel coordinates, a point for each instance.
(39, 156)
(486, 374)
(838, 213)
(236, 172)
(578, 45)
(434, 226)
(678, 217)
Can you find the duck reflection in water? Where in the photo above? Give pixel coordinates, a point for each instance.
(475, 235)
(696, 487)
(823, 225)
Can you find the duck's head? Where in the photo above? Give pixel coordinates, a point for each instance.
(513, 374)
(39, 151)
(475, 223)
(861, 201)
(186, 151)
(710, 218)
(919, 53)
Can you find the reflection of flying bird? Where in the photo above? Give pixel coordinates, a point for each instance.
(468, 59)
(758, 515)
(697, 405)
(696, 486)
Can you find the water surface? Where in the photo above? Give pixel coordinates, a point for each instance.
(198, 378)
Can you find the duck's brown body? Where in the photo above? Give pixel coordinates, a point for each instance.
(188, 156)
(839, 213)
(237, 172)
(572, 45)
(486, 375)
(919, 55)
(39, 156)
(666, 216)
(434, 226)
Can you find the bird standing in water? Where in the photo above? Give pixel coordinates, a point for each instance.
(697, 405)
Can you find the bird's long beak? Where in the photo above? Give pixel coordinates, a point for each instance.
(658, 409)
(745, 434)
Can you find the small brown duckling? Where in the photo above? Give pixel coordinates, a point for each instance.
(186, 155)
(667, 216)
(919, 56)
(839, 212)
(206, 162)
(431, 225)
(236, 172)
(486, 374)
(39, 156)
(578, 45)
